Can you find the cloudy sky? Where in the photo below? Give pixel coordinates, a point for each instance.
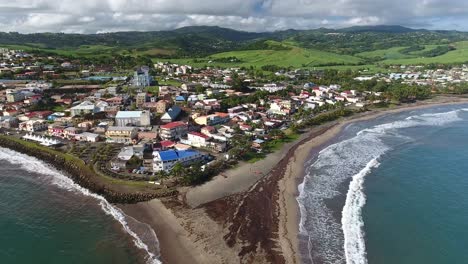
(91, 16)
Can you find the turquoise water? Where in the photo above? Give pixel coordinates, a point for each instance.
(390, 190)
(46, 218)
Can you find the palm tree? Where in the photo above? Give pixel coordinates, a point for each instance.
(178, 169)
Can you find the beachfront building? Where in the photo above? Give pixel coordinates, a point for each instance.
(133, 118)
(8, 122)
(166, 160)
(172, 131)
(116, 134)
(34, 125)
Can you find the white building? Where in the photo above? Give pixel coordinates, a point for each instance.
(34, 125)
(166, 160)
(133, 118)
(85, 107)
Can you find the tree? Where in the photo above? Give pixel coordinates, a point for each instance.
(178, 169)
(277, 134)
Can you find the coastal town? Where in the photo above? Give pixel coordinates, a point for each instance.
(150, 122)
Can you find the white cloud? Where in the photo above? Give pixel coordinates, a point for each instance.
(92, 16)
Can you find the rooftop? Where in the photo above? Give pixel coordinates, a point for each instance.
(128, 114)
(176, 154)
(173, 125)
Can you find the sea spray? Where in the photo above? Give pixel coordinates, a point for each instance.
(352, 222)
(335, 165)
(34, 165)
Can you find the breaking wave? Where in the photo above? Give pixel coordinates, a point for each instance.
(340, 239)
(34, 165)
(352, 223)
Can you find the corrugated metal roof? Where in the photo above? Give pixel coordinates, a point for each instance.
(128, 114)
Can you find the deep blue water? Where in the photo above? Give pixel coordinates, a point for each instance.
(391, 190)
(46, 218)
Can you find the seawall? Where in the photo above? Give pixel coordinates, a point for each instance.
(81, 173)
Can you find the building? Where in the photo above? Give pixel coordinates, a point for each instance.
(212, 120)
(15, 97)
(162, 106)
(33, 125)
(171, 114)
(133, 118)
(141, 99)
(141, 77)
(282, 107)
(56, 131)
(88, 137)
(84, 108)
(166, 160)
(116, 134)
(172, 131)
(8, 122)
(197, 139)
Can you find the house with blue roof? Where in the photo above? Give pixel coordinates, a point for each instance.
(180, 99)
(171, 114)
(166, 160)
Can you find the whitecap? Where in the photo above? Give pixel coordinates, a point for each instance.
(34, 165)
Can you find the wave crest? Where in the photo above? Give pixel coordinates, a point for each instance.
(34, 165)
(349, 160)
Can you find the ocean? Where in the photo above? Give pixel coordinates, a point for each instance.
(46, 218)
(389, 190)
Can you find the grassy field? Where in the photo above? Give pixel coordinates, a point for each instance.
(395, 56)
(291, 56)
(392, 53)
(460, 55)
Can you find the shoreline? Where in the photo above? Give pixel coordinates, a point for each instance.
(228, 213)
(215, 231)
(290, 214)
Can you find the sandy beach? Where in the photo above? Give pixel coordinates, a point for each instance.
(244, 216)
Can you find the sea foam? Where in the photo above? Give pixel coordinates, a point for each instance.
(330, 241)
(352, 222)
(34, 165)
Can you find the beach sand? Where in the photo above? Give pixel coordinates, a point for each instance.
(245, 216)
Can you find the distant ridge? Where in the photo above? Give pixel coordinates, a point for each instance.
(380, 29)
(201, 41)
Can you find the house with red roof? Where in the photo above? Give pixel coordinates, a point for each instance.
(173, 130)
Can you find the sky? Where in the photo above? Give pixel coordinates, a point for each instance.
(92, 16)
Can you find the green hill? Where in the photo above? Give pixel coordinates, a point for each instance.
(352, 47)
(279, 54)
